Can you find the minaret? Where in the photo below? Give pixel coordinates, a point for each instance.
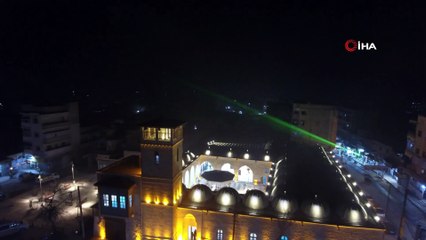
(161, 182)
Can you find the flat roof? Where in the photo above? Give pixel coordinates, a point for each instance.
(115, 182)
(162, 122)
(304, 176)
(126, 166)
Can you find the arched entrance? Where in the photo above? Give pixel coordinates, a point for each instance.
(227, 167)
(245, 174)
(205, 166)
(189, 226)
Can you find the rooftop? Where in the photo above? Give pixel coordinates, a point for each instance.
(303, 186)
(126, 166)
(163, 122)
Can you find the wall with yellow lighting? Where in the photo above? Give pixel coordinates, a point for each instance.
(157, 220)
(208, 222)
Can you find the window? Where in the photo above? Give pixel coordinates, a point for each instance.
(36, 134)
(253, 236)
(419, 133)
(283, 237)
(106, 200)
(157, 158)
(219, 234)
(122, 202)
(164, 134)
(417, 151)
(149, 134)
(130, 200)
(114, 201)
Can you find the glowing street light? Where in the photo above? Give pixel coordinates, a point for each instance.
(41, 188)
(72, 170)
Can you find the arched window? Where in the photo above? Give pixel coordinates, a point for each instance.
(157, 158)
(219, 234)
(253, 236)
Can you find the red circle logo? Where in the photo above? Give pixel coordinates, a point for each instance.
(351, 45)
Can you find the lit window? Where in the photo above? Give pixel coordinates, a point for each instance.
(149, 134)
(283, 237)
(122, 202)
(157, 158)
(253, 236)
(106, 200)
(114, 203)
(219, 234)
(130, 201)
(164, 134)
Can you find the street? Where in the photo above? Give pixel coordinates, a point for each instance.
(389, 198)
(26, 206)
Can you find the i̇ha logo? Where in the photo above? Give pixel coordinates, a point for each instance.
(353, 45)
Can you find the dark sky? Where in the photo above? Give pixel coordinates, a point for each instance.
(282, 49)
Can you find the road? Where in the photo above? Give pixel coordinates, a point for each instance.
(17, 208)
(390, 199)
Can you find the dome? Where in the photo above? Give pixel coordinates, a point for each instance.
(316, 209)
(227, 197)
(255, 199)
(352, 214)
(284, 205)
(200, 193)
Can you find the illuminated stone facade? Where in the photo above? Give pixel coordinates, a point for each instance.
(165, 209)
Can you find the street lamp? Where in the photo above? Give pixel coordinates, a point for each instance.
(72, 170)
(41, 189)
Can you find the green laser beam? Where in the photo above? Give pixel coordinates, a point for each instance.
(276, 121)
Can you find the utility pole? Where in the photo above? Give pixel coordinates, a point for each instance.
(81, 213)
(402, 219)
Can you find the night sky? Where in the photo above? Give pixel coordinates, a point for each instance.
(283, 50)
(286, 49)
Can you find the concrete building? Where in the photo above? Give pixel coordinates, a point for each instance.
(416, 151)
(416, 145)
(161, 195)
(320, 120)
(52, 133)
